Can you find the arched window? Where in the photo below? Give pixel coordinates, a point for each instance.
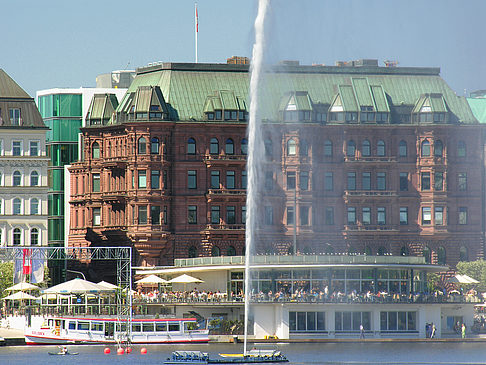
(404, 251)
(402, 149)
(291, 147)
(154, 146)
(441, 256)
(351, 149)
(461, 149)
(34, 178)
(17, 237)
(17, 178)
(142, 146)
(463, 254)
(368, 251)
(380, 148)
(215, 251)
(425, 148)
(427, 254)
(17, 206)
(95, 150)
(34, 237)
(304, 148)
(327, 148)
(268, 147)
(34, 206)
(231, 251)
(230, 147)
(381, 251)
(192, 252)
(214, 146)
(244, 146)
(191, 146)
(366, 150)
(438, 147)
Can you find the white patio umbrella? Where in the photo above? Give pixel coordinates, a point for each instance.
(152, 279)
(185, 279)
(77, 286)
(20, 296)
(22, 286)
(107, 285)
(462, 279)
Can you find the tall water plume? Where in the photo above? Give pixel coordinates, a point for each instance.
(255, 148)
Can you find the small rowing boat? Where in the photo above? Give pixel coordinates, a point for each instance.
(63, 353)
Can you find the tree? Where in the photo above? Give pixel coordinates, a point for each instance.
(6, 276)
(476, 270)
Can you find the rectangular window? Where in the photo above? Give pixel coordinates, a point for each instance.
(425, 180)
(268, 180)
(439, 216)
(191, 179)
(351, 321)
(15, 116)
(328, 181)
(366, 181)
(230, 179)
(231, 214)
(16, 148)
(307, 321)
(142, 179)
(96, 216)
(381, 215)
(96, 183)
(142, 214)
(244, 180)
(243, 214)
(366, 215)
(215, 214)
(165, 216)
(155, 179)
(403, 216)
(290, 215)
(34, 148)
(304, 215)
(426, 215)
(381, 181)
(403, 181)
(462, 215)
(462, 181)
(398, 321)
(155, 214)
(304, 180)
(290, 180)
(269, 215)
(191, 214)
(351, 180)
(215, 180)
(351, 215)
(438, 181)
(329, 216)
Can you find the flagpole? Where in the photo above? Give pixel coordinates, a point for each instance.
(196, 26)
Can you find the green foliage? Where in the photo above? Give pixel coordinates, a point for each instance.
(433, 282)
(6, 277)
(476, 270)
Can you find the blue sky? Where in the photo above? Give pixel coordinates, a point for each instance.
(56, 43)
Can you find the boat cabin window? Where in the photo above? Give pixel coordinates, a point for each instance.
(84, 326)
(121, 327)
(161, 327)
(136, 327)
(147, 327)
(174, 327)
(72, 325)
(50, 322)
(97, 326)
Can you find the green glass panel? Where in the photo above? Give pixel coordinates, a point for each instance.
(62, 154)
(55, 205)
(45, 106)
(55, 178)
(70, 105)
(56, 229)
(63, 130)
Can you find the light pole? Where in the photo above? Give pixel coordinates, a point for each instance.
(295, 220)
(76, 272)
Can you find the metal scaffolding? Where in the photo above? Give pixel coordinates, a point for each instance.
(123, 257)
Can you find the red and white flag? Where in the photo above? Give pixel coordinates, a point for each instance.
(197, 20)
(27, 261)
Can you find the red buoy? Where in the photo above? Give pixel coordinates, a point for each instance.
(120, 351)
(107, 350)
(143, 350)
(128, 350)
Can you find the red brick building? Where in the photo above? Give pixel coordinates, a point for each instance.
(361, 159)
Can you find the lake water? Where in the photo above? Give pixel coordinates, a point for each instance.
(323, 353)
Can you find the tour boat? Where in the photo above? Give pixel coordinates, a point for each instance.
(92, 330)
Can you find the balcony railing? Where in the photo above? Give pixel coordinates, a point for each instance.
(224, 226)
(209, 157)
(226, 191)
(370, 159)
(369, 227)
(369, 193)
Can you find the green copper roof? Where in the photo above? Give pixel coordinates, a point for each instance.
(186, 88)
(478, 107)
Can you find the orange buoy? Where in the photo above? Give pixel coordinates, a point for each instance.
(128, 350)
(120, 351)
(107, 350)
(143, 350)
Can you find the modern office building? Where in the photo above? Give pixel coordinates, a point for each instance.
(358, 159)
(23, 168)
(120, 79)
(64, 112)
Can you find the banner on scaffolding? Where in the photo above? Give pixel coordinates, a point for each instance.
(29, 264)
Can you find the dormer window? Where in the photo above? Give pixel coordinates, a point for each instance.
(367, 114)
(141, 115)
(218, 115)
(210, 116)
(15, 116)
